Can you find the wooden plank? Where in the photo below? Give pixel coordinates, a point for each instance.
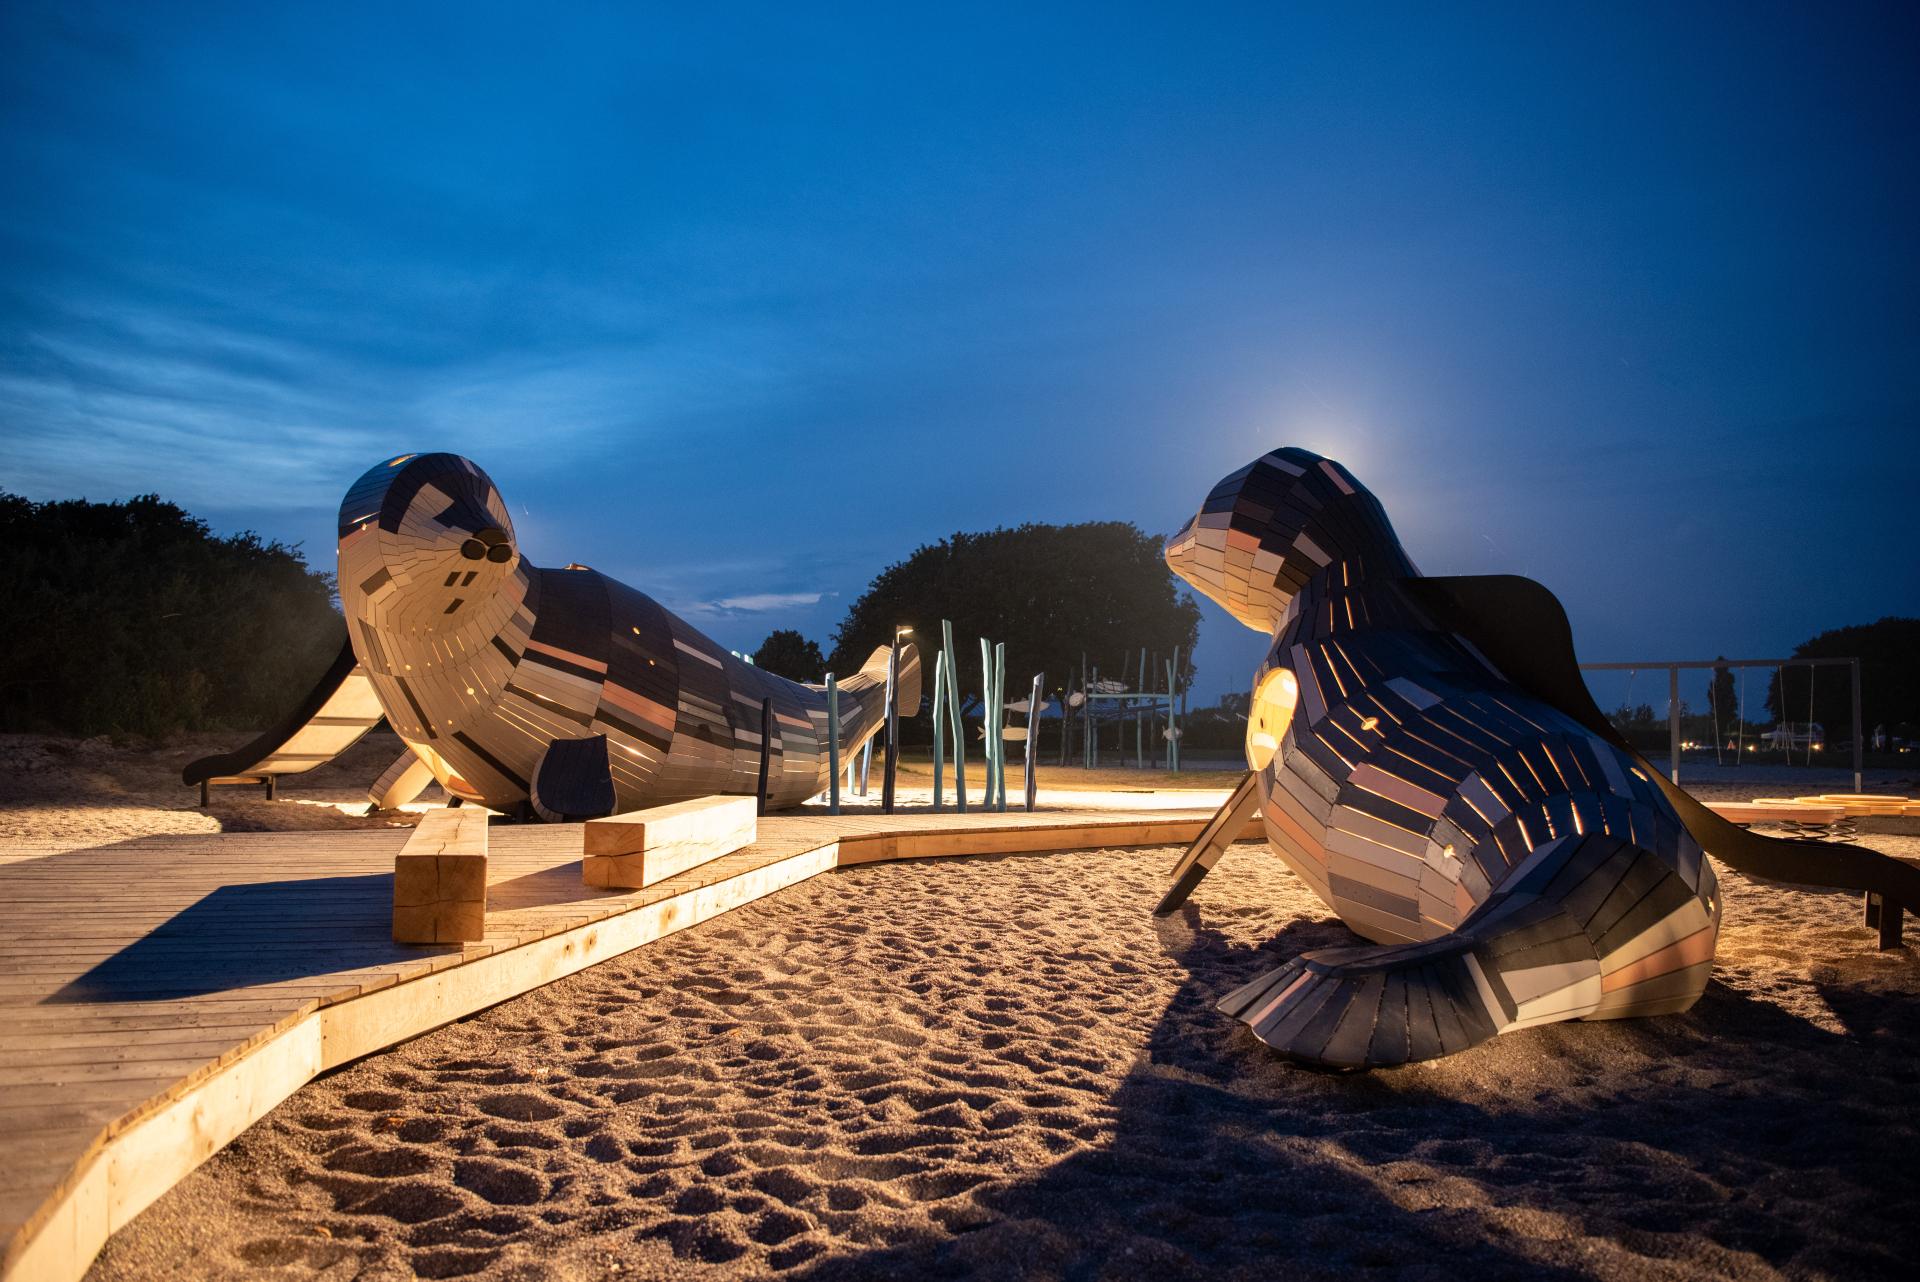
(642, 847)
(440, 879)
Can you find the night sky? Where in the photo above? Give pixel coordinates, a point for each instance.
(741, 308)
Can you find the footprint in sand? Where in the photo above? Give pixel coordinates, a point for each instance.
(518, 1106)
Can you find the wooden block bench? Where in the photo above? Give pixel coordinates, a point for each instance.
(440, 879)
(637, 849)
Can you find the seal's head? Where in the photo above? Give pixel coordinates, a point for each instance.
(426, 530)
(1266, 530)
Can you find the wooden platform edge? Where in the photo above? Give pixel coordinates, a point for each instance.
(1071, 833)
(129, 1170)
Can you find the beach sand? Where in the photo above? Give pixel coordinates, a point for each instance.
(1004, 1067)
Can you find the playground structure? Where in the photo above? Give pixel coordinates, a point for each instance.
(1425, 754)
(1154, 710)
(1675, 667)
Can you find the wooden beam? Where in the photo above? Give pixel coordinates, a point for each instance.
(440, 879)
(641, 847)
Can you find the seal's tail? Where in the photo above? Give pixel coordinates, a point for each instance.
(863, 708)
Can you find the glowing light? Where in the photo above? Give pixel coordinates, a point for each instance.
(1272, 712)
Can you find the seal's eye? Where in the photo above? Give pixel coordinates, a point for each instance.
(473, 549)
(499, 553)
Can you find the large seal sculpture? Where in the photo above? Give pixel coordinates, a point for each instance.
(1425, 756)
(560, 689)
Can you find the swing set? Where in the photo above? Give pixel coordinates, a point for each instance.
(1778, 665)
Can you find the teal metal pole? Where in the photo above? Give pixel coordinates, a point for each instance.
(833, 745)
(1000, 725)
(986, 712)
(959, 724)
(1033, 733)
(1173, 687)
(1171, 765)
(939, 708)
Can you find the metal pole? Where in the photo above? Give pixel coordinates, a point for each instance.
(833, 745)
(1033, 732)
(1673, 722)
(893, 725)
(1172, 761)
(999, 724)
(939, 712)
(1179, 730)
(1173, 689)
(959, 723)
(1858, 741)
(766, 750)
(1139, 731)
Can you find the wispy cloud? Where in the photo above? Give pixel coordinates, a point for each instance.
(754, 603)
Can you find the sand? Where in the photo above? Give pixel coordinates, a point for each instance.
(1003, 1067)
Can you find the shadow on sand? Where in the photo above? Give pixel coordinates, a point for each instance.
(1741, 1137)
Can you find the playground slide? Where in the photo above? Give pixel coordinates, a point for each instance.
(1520, 627)
(331, 719)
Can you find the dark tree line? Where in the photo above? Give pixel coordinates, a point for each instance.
(135, 617)
(1889, 654)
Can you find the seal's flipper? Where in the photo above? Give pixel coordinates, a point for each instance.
(1520, 627)
(400, 783)
(339, 709)
(1589, 927)
(1221, 831)
(574, 781)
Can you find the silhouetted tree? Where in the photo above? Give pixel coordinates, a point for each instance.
(1889, 654)
(135, 617)
(1050, 592)
(786, 653)
(1722, 700)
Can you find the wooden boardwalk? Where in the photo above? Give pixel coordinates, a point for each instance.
(159, 996)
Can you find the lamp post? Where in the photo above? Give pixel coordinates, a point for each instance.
(893, 720)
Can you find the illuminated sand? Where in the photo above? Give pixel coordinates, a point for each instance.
(1002, 1067)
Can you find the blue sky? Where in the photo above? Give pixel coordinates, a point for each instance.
(740, 306)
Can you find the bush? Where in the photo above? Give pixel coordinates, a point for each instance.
(133, 617)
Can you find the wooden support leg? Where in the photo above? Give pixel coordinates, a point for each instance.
(1892, 919)
(440, 880)
(272, 787)
(1221, 831)
(206, 794)
(1872, 917)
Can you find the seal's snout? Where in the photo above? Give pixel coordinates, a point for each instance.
(489, 543)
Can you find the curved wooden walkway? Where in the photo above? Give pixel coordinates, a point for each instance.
(159, 996)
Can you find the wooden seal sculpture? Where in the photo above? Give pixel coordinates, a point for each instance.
(1425, 756)
(562, 689)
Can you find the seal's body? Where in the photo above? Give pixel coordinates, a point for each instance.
(483, 661)
(1511, 865)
